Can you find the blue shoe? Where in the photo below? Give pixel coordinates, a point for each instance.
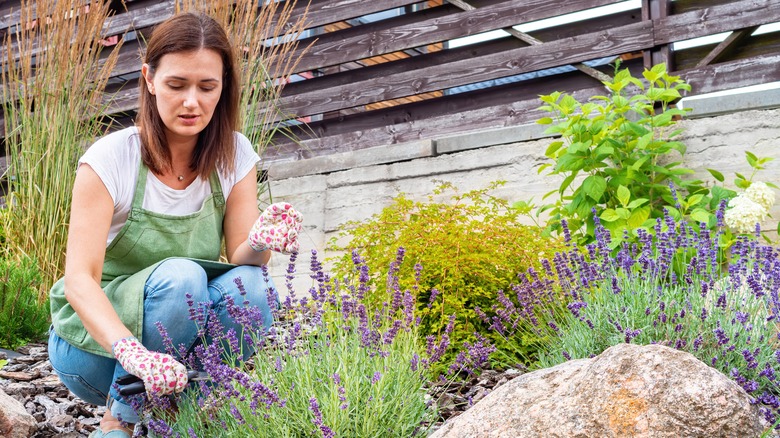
(98, 433)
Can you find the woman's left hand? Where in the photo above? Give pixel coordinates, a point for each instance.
(276, 229)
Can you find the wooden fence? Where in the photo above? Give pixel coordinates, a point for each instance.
(387, 72)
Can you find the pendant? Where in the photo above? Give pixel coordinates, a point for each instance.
(181, 178)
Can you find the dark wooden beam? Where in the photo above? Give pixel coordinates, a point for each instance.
(727, 45)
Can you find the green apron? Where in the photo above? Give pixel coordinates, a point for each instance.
(146, 240)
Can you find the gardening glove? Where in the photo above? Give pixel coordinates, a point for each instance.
(276, 229)
(161, 373)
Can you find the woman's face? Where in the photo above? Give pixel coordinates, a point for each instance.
(187, 87)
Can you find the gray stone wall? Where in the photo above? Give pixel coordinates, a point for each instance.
(332, 190)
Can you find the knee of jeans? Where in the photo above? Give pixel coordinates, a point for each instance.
(180, 274)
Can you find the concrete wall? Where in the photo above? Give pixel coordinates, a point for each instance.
(332, 190)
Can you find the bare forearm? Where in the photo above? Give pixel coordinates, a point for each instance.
(95, 310)
(245, 255)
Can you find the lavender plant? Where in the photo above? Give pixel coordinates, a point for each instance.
(668, 288)
(327, 367)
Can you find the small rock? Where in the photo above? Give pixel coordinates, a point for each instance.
(22, 376)
(15, 422)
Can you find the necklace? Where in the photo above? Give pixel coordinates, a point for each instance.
(181, 178)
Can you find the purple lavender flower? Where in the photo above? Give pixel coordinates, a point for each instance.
(314, 407)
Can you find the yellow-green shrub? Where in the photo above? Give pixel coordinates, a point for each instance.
(468, 249)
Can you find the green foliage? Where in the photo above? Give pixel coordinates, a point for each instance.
(618, 155)
(467, 249)
(22, 316)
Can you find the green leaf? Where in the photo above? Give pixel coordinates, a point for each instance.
(623, 195)
(545, 121)
(700, 215)
(655, 94)
(694, 199)
(717, 175)
(678, 146)
(577, 147)
(650, 75)
(644, 141)
(604, 150)
(566, 183)
(623, 213)
(542, 168)
(641, 162)
(751, 159)
(552, 149)
(636, 203)
(609, 215)
(659, 69)
(638, 217)
(594, 186)
(568, 104)
(742, 183)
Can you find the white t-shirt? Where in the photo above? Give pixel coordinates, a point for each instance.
(116, 159)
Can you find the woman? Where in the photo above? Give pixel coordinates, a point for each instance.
(152, 205)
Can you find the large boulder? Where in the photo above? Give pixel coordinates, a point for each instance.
(627, 391)
(15, 422)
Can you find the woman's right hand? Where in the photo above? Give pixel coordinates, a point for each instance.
(276, 229)
(160, 372)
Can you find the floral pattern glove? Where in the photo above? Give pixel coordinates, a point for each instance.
(161, 373)
(276, 229)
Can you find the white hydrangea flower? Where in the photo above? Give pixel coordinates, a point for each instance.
(743, 214)
(761, 194)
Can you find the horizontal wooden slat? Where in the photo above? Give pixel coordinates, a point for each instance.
(734, 74)
(324, 11)
(716, 19)
(333, 50)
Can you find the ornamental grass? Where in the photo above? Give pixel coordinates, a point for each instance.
(55, 72)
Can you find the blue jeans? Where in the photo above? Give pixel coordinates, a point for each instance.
(90, 377)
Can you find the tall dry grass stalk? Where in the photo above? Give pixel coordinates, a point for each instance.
(53, 81)
(266, 40)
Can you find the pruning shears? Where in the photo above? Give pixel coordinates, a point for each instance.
(131, 384)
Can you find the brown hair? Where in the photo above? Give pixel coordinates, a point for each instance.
(215, 146)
